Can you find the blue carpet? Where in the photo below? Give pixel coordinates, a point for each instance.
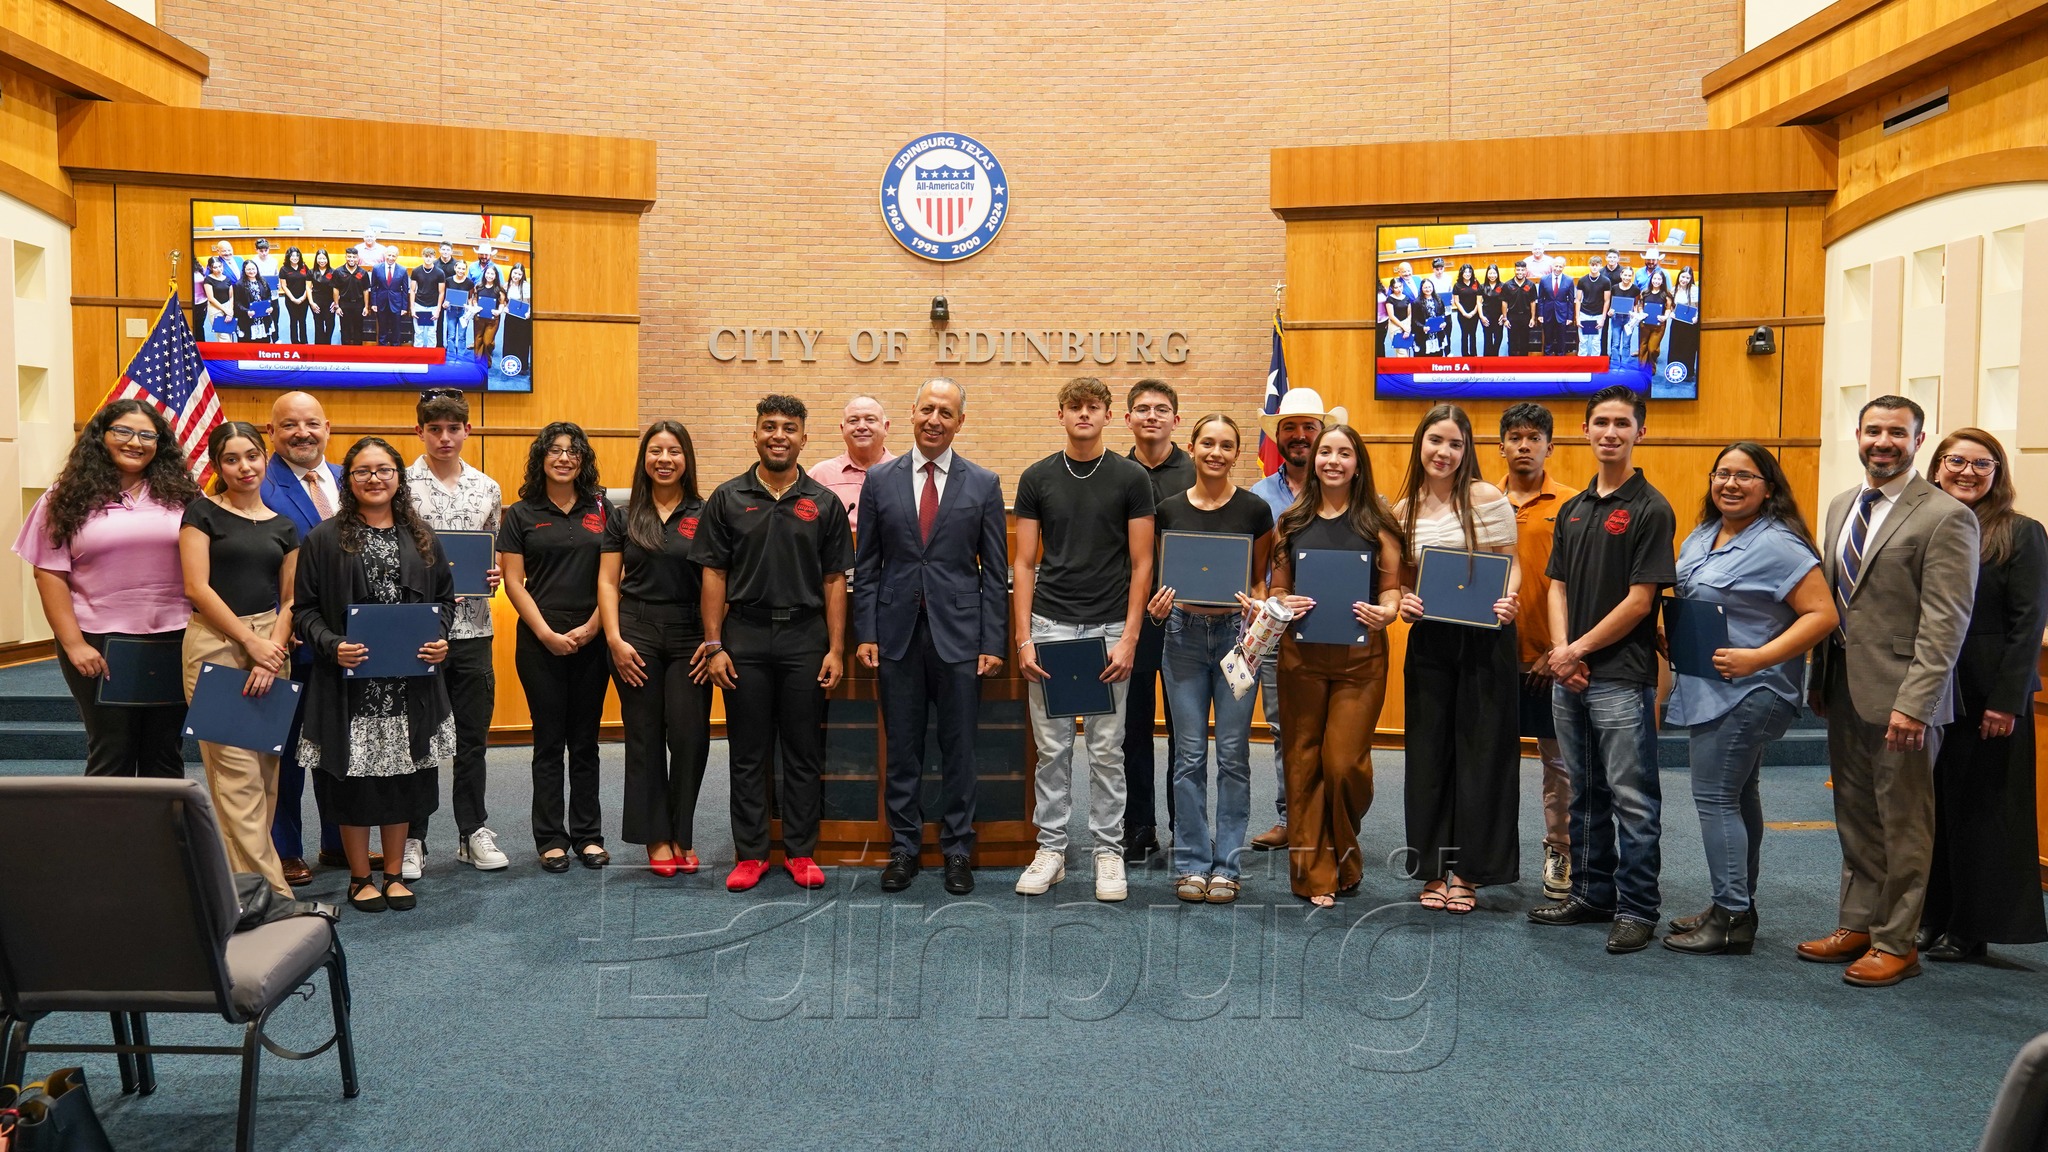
(616, 1009)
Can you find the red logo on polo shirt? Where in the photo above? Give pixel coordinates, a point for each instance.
(1617, 522)
(687, 527)
(806, 509)
(592, 522)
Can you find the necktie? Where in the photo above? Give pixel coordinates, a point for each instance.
(928, 502)
(1852, 553)
(320, 502)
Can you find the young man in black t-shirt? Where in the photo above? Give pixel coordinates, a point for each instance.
(1152, 412)
(775, 547)
(1612, 555)
(1082, 568)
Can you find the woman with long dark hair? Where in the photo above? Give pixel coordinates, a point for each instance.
(374, 746)
(1465, 306)
(325, 310)
(1432, 319)
(250, 291)
(519, 329)
(1492, 312)
(1650, 334)
(104, 544)
(295, 286)
(217, 291)
(549, 548)
(1984, 886)
(1685, 333)
(1331, 694)
(241, 561)
(1401, 328)
(489, 286)
(649, 594)
(1462, 702)
(1753, 555)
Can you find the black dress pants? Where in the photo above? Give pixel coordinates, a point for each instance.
(1140, 704)
(668, 724)
(351, 326)
(472, 691)
(123, 740)
(1464, 752)
(909, 688)
(776, 713)
(565, 694)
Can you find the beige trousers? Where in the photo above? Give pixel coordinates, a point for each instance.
(242, 783)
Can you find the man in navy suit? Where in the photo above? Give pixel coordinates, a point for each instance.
(930, 593)
(1557, 299)
(301, 484)
(391, 298)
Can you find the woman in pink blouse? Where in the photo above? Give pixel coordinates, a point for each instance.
(104, 544)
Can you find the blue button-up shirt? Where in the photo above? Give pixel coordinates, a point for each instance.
(1275, 492)
(1750, 576)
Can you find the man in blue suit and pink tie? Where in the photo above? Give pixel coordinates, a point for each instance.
(301, 484)
(930, 605)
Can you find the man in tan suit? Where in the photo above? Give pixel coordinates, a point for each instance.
(1901, 557)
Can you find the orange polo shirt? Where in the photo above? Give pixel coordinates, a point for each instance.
(1535, 532)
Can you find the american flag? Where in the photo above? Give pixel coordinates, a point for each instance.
(1276, 387)
(168, 374)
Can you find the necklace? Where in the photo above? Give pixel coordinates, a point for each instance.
(1069, 462)
(773, 491)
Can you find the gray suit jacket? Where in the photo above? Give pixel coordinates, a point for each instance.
(1904, 626)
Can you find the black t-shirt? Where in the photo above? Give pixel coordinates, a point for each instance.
(1605, 544)
(1593, 294)
(1244, 515)
(667, 577)
(323, 286)
(426, 286)
(1175, 474)
(1467, 296)
(1084, 512)
(293, 280)
(1335, 534)
(775, 553)
(560, 551)
(244, 556)
(1492, 300)
(353, 285)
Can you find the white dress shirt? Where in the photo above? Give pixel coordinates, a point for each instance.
(1892, 490)
(918, 460)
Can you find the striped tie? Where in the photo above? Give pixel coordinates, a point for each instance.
(1852, 553)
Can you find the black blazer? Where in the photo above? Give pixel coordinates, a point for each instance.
(1999, 667)
(962, 573)
(329, 581)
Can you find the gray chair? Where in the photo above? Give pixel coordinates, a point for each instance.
(115, 897)
(2019, 1117)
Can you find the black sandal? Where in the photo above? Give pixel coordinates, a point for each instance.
(375, 903)
(399, 903)
(558, 861)
(594, 859)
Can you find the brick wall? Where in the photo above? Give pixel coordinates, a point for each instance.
(1134, 134)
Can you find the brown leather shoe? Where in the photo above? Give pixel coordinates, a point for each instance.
(1272, 839)
(296, 873)
(1837, 947)
(1881, 969)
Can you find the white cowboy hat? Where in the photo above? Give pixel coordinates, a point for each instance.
(485, 250)
(1651, 253)
(1301, 402)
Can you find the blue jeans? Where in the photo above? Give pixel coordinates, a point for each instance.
(1726, 754)
(1610, 747)
(1195, 647)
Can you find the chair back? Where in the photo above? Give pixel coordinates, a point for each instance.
(115, 895)
(2019, 1117)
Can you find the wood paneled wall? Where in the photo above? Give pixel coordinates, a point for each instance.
(1762, 264)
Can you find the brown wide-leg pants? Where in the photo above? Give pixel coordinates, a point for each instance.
(1330, 698)
(242, 783)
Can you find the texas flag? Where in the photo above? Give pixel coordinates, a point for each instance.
(1276, 387)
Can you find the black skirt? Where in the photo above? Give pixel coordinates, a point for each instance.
(1985, 883)
(373, 801)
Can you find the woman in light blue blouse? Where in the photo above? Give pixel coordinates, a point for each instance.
(1753, 555)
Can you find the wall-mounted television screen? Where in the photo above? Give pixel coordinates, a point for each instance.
(314, 296)
(1538, 309)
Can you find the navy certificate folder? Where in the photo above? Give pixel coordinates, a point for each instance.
(1073, 677)
(1459, 587)
(394, 634)
(471, 556)
(486, 307)
(1335, 581)
(456, 298)
(519, 308)
(143, 673)
(1693, 630)
(1207, 569)
(220, 714)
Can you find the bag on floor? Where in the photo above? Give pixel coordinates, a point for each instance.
(51, 1115)
(257, 904)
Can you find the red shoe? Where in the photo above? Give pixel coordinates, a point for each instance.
(689, 863)
(805, 872)
(745, 875)
(664, 868)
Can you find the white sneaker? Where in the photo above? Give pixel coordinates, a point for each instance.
(1557, 874)
(1109, 876)
(1047, 869)
(415, 860)
(481, 849)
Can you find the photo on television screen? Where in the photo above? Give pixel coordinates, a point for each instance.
(1538, 309)
(308, 296)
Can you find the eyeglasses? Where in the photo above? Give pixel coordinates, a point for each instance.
(441, 393)
(1952, 463)
(1723, 476)
(384, 473)
(124, 434)
(557, 452)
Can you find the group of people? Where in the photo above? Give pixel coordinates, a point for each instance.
(372, 297)
(1649, 316)
(1923, 601)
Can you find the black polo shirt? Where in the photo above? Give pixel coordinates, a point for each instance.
(775, 553)
(560, 550)
(1175, 474)
(1604, 544)
(665, 577)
